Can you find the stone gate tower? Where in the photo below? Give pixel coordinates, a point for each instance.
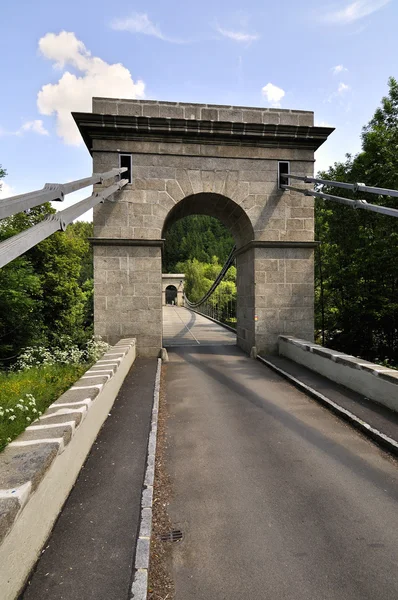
(221, 161)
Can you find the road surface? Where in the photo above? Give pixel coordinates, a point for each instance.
(182, 327)
(276, 497)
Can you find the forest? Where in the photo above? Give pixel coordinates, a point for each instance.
(46, 295)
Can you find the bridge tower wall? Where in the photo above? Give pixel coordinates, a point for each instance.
(203, 159)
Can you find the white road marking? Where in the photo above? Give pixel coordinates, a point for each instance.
(186, 326)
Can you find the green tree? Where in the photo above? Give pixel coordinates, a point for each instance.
(3, 173)
(357, 263)
(196, 236)
(199, 277)
(45, 294)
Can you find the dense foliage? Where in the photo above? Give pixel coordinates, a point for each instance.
(198, 237)
(46, 293)
(357, 265)
(199, 277)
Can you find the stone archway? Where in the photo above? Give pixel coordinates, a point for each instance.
(202, 159)
(237, 220)
(177, 282)
(171, 295)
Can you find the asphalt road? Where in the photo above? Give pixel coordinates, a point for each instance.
(277, 498)
(181, 327)
(90, 553)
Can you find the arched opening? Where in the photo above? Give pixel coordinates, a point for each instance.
(231, 214)
(225, 223)
(171, 294)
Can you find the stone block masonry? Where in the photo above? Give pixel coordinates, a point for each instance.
(221, 161)
(128, 294)
(204, 112)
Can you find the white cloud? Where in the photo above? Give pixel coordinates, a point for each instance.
(354, 11)
(343, 87)
(137, 23)
(74, 93)
(238, 36)
(341, 91)
(141, 23)
(6, 190)
(273, 94)
(338, 69)
(36, 126)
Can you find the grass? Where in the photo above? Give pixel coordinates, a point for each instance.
(26, 394)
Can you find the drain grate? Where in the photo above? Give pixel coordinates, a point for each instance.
(172, 536)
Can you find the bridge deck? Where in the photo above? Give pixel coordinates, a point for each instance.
(276, 497)
(181, 327)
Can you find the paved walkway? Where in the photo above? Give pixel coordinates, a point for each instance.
(181, 327)
(89, 555)
(377, 416)
(277, 498)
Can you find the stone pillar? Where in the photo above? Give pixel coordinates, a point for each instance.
(245, 299)
(180, 298)
(128, 292)
(284, 294)
(164, 298)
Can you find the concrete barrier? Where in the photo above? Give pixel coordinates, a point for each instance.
(373, 381)
(40, 467)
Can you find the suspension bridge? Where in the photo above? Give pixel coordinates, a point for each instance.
(275, 496)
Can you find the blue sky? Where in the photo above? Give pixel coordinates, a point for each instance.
(334, 58)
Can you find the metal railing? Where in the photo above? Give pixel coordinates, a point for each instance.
(218, 310)
(216, 305)
(216, 283)
(355, 187)
(14, 246)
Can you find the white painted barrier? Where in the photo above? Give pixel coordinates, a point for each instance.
(373, 381)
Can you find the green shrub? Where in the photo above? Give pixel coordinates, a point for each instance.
(25, 395)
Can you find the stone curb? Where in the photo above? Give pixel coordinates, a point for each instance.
(382, 439)
(139, 588)
(39, 468)
(390, 375)
(376, 382)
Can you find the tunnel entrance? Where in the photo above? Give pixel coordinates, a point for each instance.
(171, 294)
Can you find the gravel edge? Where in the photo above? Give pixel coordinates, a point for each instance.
(139, 588)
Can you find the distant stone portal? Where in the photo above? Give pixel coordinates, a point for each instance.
(171, 295)
(173, 289)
